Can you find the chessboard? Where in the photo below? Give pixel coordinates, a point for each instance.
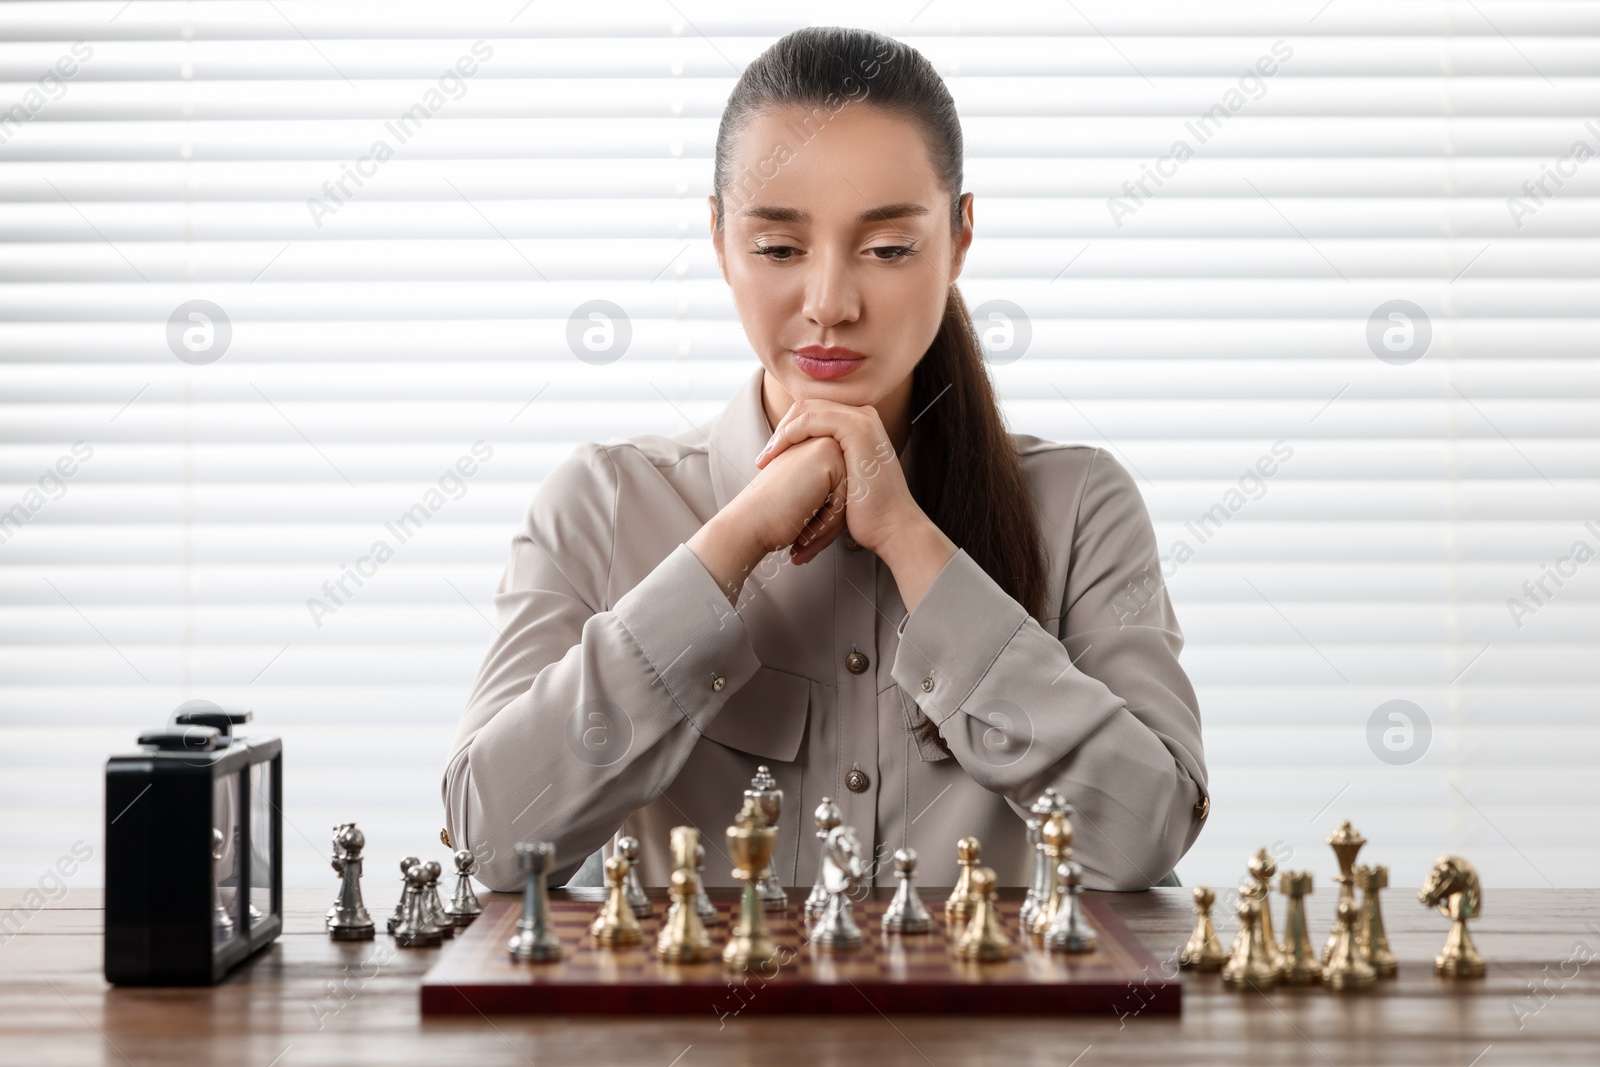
(889, 973)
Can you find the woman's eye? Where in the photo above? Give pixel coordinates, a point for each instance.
(895, 252)
(772, 252)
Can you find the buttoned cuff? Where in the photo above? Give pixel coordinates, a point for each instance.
(693, 637)
(960, 627)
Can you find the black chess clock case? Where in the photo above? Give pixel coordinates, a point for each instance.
(194, 845)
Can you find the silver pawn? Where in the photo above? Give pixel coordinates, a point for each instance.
(400, 905)
(535, 940)
(836, 927)
(632, 888)
(702, 901)
(432, 901)
(827, 816)
(350, 920)
(415, 929)
(764, 788)
(906, 913)
(1071, 931)
(221, 921)
(464, 906)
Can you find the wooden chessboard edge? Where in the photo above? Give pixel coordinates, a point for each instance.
(1080, 1000)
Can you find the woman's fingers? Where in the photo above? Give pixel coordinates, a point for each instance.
(822, 528)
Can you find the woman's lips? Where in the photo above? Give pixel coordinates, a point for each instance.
(823, 363)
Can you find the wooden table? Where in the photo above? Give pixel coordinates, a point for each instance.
(307, 1000)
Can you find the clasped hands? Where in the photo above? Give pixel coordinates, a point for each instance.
(868, 485)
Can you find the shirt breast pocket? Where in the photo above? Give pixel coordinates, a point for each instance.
(766, 717)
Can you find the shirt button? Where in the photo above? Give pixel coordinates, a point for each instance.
(856, 780)
(717, 683)
(927, 685)
(1202, 809)
(851, 543)
(856, 662)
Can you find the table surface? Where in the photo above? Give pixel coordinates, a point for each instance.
(307, 1000)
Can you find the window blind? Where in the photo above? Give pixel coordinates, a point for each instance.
(283, 281)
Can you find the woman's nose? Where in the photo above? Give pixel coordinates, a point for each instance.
(832, 296)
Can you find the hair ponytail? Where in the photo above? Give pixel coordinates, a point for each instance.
(967, 475)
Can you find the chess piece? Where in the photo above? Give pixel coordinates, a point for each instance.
(1249, 963)
(415, 929)
(764, 787)
(1300, 964)
(1071, 931)
(843, 871)
(1372, 941)
(683, 937)
(1203, 952)
(1262, 867)
(628, 849)
(1345, 970)
(983, 938)
(958, 906)
(750, 842)
(1346, 842)
(434, 903)
(702, 900)
(906, 913)
(350, 920)
(616, 925)
(464, 906)
(221, 921)
(827, 816)
(1453, 888)
(687, 851)
(1056, 842)
(1030, 902)
(1049, 801)
(535, 939)
(400, 906)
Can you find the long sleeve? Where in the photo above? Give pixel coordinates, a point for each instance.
(584, 711)
(1102, 710)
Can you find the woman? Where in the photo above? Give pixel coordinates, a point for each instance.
(963, 616)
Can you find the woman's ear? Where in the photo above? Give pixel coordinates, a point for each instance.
(958, 255)
(716, 239)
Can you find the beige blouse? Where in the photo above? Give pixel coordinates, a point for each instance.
(624, 694)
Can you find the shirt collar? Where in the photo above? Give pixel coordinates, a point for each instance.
(735, 437)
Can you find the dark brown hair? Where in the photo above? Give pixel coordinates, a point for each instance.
(967, 476)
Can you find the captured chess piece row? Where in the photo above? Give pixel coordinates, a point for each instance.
(1357, 951)
(421, 918)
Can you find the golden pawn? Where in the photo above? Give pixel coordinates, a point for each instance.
(958, 906)
(983, 939)
(1345, 969)
(750, 842)
(1371, 939)
(1203, 952)
(1055, 838)
(1249, 964)
(683, 937)
(616, 925)
(1346, 841)
(1300, 964)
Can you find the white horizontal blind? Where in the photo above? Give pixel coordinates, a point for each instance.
(1230, 311)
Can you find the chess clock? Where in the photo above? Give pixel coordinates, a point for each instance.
(194, 850)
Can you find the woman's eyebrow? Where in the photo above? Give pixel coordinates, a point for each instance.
(873, 214)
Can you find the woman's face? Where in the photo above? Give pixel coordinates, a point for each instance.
(813, 261)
